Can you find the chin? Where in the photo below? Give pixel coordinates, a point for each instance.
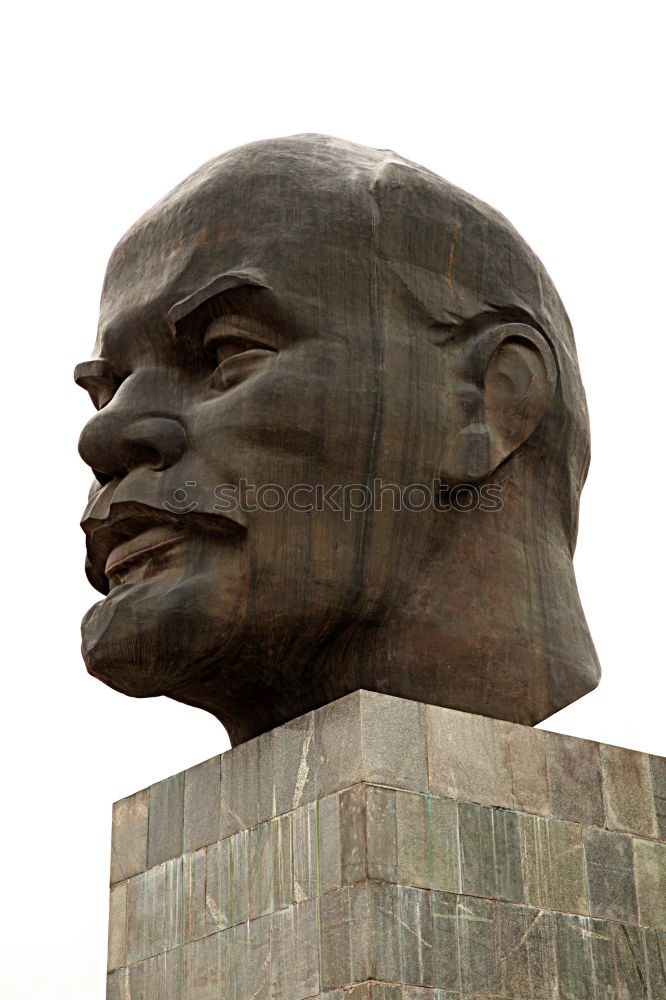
(151, 639)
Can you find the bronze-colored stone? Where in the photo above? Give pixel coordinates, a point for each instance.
(340, 444)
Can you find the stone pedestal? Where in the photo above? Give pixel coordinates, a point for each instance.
(380, 849)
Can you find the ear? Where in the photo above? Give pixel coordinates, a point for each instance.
(513, 375)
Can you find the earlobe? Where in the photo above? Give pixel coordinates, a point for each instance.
(515, 378)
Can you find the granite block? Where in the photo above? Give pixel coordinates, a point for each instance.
(270, 876)
(490, 853)
(526, 959)
(235, 889)
(239, 788)
(201, 823)
(400, 934)
(553, 863)
(468, 758)
(393, 742)
(295, 952)
(584, 958)
(330, 850)
(610, 875)
(630, 959)
(165, 820)
(129, 850)
(202, 967)
(574, 779)
(353, 866)
(464, 944)
(658, 773)
(305, 846)
(293, 774)
(628, 796)
(117, 950)
(382, 833)
(159, 978)
(344, 931)
(655, 952)
(154, 911)
(650, 864)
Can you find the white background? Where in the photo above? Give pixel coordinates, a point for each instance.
(552, 112)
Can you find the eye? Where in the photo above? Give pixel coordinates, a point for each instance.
(99, 383)
(236, 351)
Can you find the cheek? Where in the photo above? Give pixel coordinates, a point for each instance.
(288, 426)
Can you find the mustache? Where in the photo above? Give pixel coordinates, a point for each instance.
(107, 525)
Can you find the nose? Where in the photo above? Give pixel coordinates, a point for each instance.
(114, 442)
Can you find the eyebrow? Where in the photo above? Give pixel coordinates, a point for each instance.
(221, 283)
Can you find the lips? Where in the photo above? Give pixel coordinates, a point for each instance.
(145, 553)
(135, 541)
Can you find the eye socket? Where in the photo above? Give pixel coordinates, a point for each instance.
(236, 350)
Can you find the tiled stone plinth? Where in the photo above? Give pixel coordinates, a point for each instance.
(379, 849)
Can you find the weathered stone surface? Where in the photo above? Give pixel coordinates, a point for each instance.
(201, 824)
(129, 847)
(165, 820)
(574, 779)
(628, 792)
(658, 771)
(650, 860)
(117, 950)
(552, 853)
(379, 891)
(609, 866)
(584, 958)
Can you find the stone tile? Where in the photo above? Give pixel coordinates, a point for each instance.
(401, 934)
(490, 853)
(305, 849)
(464, 944)
(655, 951)
(239, 787)
(445, 855)
(293, 772)
(344, 937)
(235, 892)
(129, 845)
(338, 744)
(650, 864)
(628, 791)
(159, 978)
(202, 966)
(295, 952)
(574, 779)
(382, 833)
(117, 951)
(526, 960)
(468, 758)
(201, 824)
(194, 896)
(154, 911)
(584, 958)
(413, 840)
(630, 961)
(330, 850)
(526, 751)
(270, 867)
(165, 820)
(117, 987)
(610, 875)
(658, 771)
(553, 863)
(393, 742)
(353, 865)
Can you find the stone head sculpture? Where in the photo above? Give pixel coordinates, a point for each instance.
(340, 443)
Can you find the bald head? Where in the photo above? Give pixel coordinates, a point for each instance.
(320, 316)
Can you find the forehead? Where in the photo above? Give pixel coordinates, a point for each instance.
(296, 220)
